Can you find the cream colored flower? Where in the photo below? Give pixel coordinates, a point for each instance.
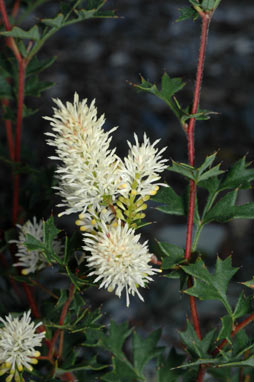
(118, 260)
(88, 173)
(142, 167)
(18, 340)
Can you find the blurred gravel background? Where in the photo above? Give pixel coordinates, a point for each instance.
(99, 58)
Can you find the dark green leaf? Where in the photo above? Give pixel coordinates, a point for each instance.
(183, 169)
(226, 328)
(173, 203)
(5, 89)
(36, 66)
(145, 349)
(56, 22)
(169, 86)
(239, 176)
(164, 372)
(243, 306)
(90, 365)
(246, 362)
(114, 341)
(222, 211)
(174, 255)
(34, 86)
(195, 346)
(211, 286)
(33, 244)
(122, 372)
(31, 34)
(187, 13)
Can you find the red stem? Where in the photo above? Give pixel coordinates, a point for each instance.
(61, 322)
(6, 22)
(9, 134)
(21, 85)
(31, 301)
(191, 156)
(233, 333)
(15, 8)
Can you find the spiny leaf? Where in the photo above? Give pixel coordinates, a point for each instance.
(249, 284)
(243, 306)
(187, 13)
(145, 349)
(165, 366)
(17, 32)
(211, 286)
(238, 176)
(173, 203)
(36, 66)
(222, 210)
(184, 169)
(122, 372)
(174, 255)
(226, 328)
(195, 346)
(114, 341)
(169, 86)
(56, 22)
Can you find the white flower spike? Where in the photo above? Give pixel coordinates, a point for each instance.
(31, 261)
(142, 167)
(89, 171)
(119, 261)
(18, 340)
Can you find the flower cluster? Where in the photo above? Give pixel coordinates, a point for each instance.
(31, 261)
(18, 340)
(108, 193)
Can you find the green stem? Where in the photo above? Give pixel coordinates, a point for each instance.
(196, 237)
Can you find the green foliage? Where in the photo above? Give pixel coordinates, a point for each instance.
(173, 204)
(211, 286)
(143, 350)
(172, 255)
(166, 370)
(169, 87)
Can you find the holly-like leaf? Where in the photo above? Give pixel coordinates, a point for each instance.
(36, 66)
(209, 286)
(165, 366)
(239, 176)
(34, 86)
(56, 22)
(187, 13)
(243, 306)
(116, 337)
(222, 210)
(122, 372)
(145, 349)
(184, 169)
(169, 86)
(173, 255)
(226, 328)
(173, 203)
(195, 346)
(17, 32)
